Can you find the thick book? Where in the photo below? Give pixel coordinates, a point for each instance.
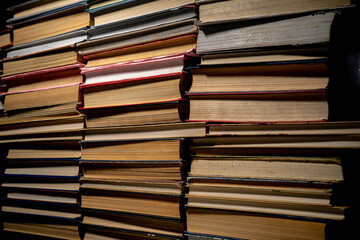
(287, 54)
(165, 206)
(116, 11)
(150, 50)
(171, 130)
(37, 7)
(221, 224)
(156, 150)
(170, 188)
(151, 68)
(99, 233)
(67, 124)
(42, 61)
(271, 106)
(291, 192)
(6, 39)
(154, 80)
(46, 10)
(57, 171)
(297, 210)
(99, 224)
(45, 150)
(132, 171)
(43, 185)
(213, 12)
(43, 196)
(62, 41)
(45, 113)
(131, 93)
(42, 98)
(308, 128)
(152, 113)
(142, 36)
(36, 230)
(233, 145)
(52, 27)
(44, 79)
(273, 32)
(157, 20)
(260, 77)
(34, 212)
(311, 169)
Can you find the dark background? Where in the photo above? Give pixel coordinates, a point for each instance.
(4, 14)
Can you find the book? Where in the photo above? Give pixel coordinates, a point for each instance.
(42, 61)
(39, 127)
(272, 106)
(142, 36)
(293, 54)
(237, 224)
(156, 172)
(43, 229)
(62, 41)
(40, 212)
(41, 98)
(176, 130)
(154, 187)
(35, 7)
(44, 79)
(95, 221)
(41, 197)
(309, 128)
(61, 171)
(153, 113)
(257, 77)
(58, 136)
(129, 93)
(155, 21)
(160, 67)
(6, 38)
(171, 46)
(297, 143)
(254, 190)
(297, 210)
(315, 169)
(45, 150)
(58, 186)
(279, 31)
(212, 12)
(52, 27)
(156, 150)
(106, 12)
(45, 113)
(137, 203)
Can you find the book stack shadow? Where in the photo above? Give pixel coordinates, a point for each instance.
(278, 103)
(41, 123)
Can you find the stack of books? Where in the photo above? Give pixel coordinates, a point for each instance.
(135, 65)
(41, 125)
(281, 180)
(5, 42)
(179, 119)
(134, 155)
(265, 62)
(41, 190)
(275, 163)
